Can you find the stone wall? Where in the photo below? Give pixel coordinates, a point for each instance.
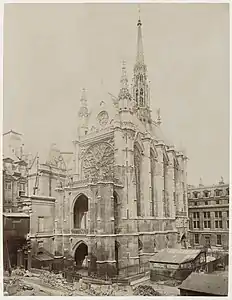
(43, 207)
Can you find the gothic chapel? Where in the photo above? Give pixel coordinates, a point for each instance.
(127, 196)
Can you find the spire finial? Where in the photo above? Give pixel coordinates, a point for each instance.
(83, 97)
(221, 180)
(158, 117)
(124, 80)
(139, 11)
(83, 111)
(201, 182)
(124, 89)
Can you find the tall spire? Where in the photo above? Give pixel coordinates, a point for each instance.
(140, 55)
(140, 89)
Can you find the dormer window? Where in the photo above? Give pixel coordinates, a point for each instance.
(206, 194)
(8, 185)
(195, 194)
(218, 193)
(22, 186)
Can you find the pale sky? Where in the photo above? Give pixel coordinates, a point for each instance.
(52, 51)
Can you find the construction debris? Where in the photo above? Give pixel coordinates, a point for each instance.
(13, 285)
(55, 280)
(145, 290)
(26, 283)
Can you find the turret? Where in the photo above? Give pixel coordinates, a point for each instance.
(140, 86)
(83, 115)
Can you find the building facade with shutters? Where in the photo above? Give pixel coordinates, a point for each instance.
(209, 215)
(14, 170)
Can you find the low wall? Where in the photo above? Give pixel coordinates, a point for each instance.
(166, 274)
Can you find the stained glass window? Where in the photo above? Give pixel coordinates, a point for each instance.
(137, 163)
(152, 183)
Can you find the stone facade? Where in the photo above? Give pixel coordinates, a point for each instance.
(124, 195)
(209, 215)
(14, 171)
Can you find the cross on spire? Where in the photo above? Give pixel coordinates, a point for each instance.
(139, 10)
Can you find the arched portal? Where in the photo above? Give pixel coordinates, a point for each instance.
(79, 212)
(80, 254)
(183, 241)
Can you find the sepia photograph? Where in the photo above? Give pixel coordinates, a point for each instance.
(116, 149)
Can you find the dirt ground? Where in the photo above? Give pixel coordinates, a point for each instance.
(23, 283)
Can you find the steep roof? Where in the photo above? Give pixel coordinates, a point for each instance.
(12, 131)
(206, 283)
(175, 256)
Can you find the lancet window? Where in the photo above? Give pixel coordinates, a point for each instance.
(152, 164)
(141, 97)
(138, 164)
(137, 96)
(165, 192)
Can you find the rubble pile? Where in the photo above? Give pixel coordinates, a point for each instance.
(18, 284)
(18, 272)
(56, 280)
(11, 285)
(103, 289)
(14, 285)
(145, 290)
(22, 273)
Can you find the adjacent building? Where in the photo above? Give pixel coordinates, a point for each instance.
(14, 170)
(16, 224)
(209, 215)
(201, 284)
(176, 264)
(16, 227)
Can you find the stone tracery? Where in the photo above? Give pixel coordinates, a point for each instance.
(98, 162)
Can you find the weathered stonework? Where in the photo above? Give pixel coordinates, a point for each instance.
(125, 197)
